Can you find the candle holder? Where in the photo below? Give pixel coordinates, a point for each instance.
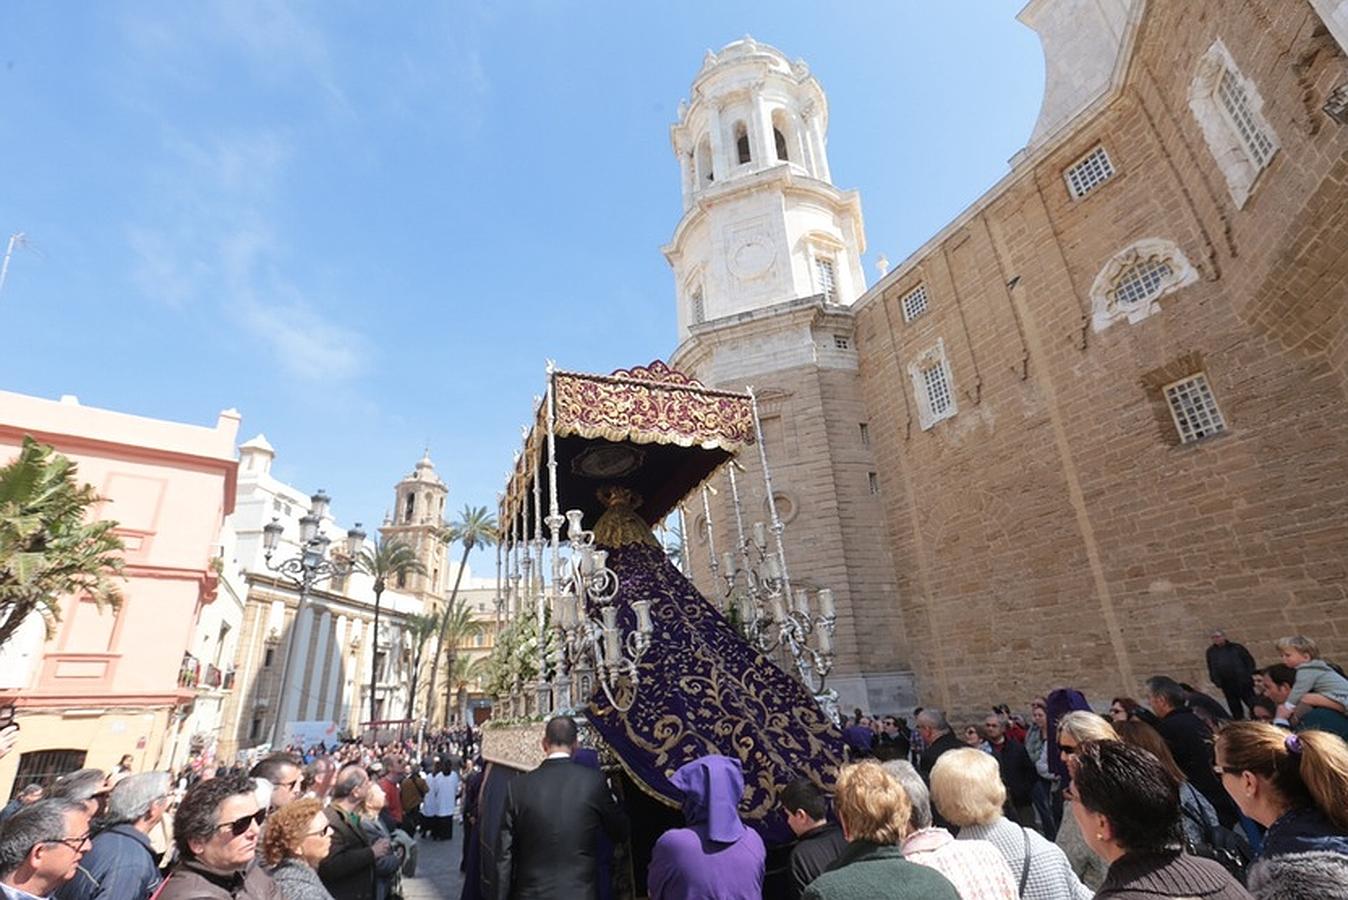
(592, 645)
(776, 617)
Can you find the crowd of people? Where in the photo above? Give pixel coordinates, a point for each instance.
(314, 823)
(1176, 795)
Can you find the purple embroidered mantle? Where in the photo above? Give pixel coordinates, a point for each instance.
(705, 690)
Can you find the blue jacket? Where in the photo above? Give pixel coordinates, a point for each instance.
(1300, 831)
(120, 865)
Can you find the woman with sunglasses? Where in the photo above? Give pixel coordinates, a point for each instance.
(298, 838)
(1074, 729)
(216, 834)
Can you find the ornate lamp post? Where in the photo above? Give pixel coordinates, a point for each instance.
(305, 570)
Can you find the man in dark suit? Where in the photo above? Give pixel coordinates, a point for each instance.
(1231, 668)
(348, 871)
(553, 815)
(1190, 742)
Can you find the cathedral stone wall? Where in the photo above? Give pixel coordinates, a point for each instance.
(1055, 530)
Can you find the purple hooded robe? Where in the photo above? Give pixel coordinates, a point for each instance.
(715, 857)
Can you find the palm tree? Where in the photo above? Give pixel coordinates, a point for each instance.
(475, 528)
(48, 549)
(420, 628)
(463, 672)
(673, 544)
(390, 558)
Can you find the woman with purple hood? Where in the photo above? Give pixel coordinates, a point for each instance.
(716, 857)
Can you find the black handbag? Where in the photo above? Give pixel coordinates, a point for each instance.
(1219, 844)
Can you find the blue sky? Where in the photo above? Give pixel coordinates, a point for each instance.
(367, 226)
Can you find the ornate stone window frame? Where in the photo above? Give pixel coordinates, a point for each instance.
(1107, 308)
(1240, 165)
(932, 360)
(823, 246)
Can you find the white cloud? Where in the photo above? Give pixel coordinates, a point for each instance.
(306, 344)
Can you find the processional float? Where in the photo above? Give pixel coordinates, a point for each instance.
(595, 620)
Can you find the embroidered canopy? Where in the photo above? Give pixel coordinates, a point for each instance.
(650, 428)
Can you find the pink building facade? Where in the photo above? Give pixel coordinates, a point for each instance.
(112, 682)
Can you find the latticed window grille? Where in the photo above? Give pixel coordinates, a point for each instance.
(1194, 409)
(1237, 105)
(828, 282)
(1090, 172)
(699, 309)
(842, 342)
(940, 397)
(1141, 281)
(914, 303)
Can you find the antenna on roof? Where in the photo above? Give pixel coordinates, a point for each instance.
(17, 239)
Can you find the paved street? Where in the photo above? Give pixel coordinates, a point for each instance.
(438, 875)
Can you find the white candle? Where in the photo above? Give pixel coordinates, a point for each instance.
(802, 602)
(826, 607)
(825, 640)
(760, 535)
(727, 563)
(778, 610)
(643, 610)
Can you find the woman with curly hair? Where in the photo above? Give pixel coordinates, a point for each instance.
(297, 839)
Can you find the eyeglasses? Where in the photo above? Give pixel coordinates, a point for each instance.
(241, 824)
(1219, 771)
(322, 832)
(74, 843)
(289, 785)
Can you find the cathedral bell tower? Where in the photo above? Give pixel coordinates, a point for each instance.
(767, 262)
(762, 221)
(418, 520)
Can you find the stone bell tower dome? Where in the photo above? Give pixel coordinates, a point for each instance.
(762, 222)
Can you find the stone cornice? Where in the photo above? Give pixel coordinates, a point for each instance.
(809, 312)
(789, 180)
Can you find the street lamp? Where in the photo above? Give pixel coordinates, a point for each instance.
(305, 570)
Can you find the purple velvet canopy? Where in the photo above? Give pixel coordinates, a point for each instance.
(704, 690)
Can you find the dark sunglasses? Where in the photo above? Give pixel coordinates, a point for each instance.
(240, 825)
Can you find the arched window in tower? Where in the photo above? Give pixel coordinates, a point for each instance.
(402, 580)
(742, 142)
(705, 175)
(410, 507)
(697, 310)
(780, 128)
(827, 278)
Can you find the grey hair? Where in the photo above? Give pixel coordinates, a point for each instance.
(31, 789)
(34, 824)
(916, 789)
(348, 780)
(935, 718)
(82, 784)
(1169, 689)
(133, 796)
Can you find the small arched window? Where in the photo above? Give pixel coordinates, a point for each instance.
(705, 175)
(780, 140)
(742, 142)
(410, 507)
